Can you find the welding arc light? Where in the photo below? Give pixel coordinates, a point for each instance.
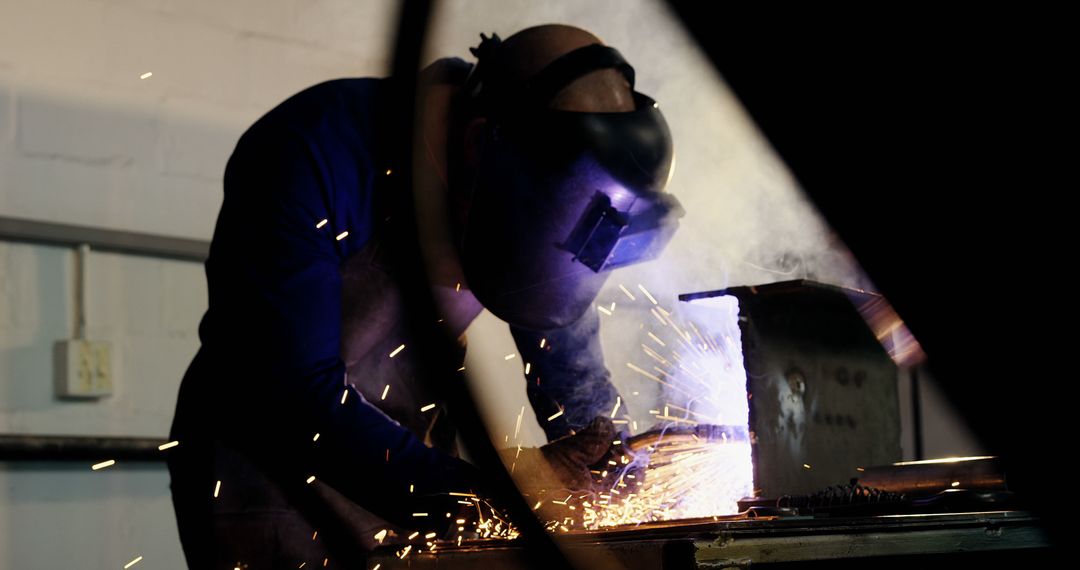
(605, 238)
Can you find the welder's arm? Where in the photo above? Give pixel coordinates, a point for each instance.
(276, 287)
(566, 374)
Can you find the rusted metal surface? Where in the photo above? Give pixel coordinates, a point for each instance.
(931, 477)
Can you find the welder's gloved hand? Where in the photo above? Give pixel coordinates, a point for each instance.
(563, 464)
(621, 467)
(572, 457)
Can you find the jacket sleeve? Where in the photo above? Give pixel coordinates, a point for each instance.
(566, 374)
(275, 296)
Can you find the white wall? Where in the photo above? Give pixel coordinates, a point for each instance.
(84, 141)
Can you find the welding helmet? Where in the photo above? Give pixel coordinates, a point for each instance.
(560, 198)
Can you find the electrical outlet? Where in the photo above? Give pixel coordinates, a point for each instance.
(83, 369)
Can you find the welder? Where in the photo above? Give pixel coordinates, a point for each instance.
(304, 432)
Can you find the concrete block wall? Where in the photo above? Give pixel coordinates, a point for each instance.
(84, 140)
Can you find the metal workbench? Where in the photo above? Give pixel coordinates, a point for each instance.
(986, 539)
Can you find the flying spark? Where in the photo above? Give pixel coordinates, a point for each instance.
(311, 479)
(342, 235)
(132, 563)
(647, 294)
(147, 75)
(316, 438)
(217, 488)
(509, 356)
(397, 350)
(555, 415)
(627, 291)
(103, 464)
(165, 446)
(322, 223)
(427, 407)
(385, 391)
